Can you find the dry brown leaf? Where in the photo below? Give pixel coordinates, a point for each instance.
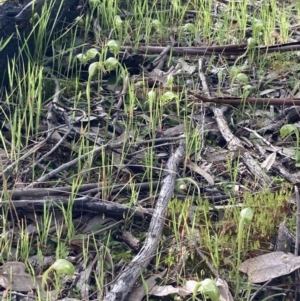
(269, 161)
(269, 266)
(193, 166)
(225, 294)
(12, 275)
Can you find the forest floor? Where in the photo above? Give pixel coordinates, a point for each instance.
(150, 151)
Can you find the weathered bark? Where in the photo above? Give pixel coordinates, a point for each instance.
(233, 143)
(17, 25)
(127, 279)
(64, 191)
(81, 205)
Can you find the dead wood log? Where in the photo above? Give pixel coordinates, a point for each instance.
(291, 101)
(233, 143)
(84, 189)
(16, 27)
(226, 50)
(127, 279)
(81, 205)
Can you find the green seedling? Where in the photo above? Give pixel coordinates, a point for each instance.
(237, 75)
(118, 21)
(257, 27)
(151, 96)
(289, 129)
(235, 70)
(61, 267)
(94, 68)
(246, 217)
(92, 53)
(247, 89)
(170, 80)
(113, 46)
(168, 96)
(80, 21)
(156, 24)
(94, 3)
(111, 64)
(242, 78)
(82, 58)
(181, 184)
(85, 58)
(208, 289)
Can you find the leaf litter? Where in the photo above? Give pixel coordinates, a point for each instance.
(117, 160)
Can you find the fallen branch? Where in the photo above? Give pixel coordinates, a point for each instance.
(233, 143)
(85, 204)
(226, 50)
(249, 100)
(127, 279)
(35, 193)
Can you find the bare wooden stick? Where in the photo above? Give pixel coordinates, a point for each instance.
(233, 142)
(127, 279)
